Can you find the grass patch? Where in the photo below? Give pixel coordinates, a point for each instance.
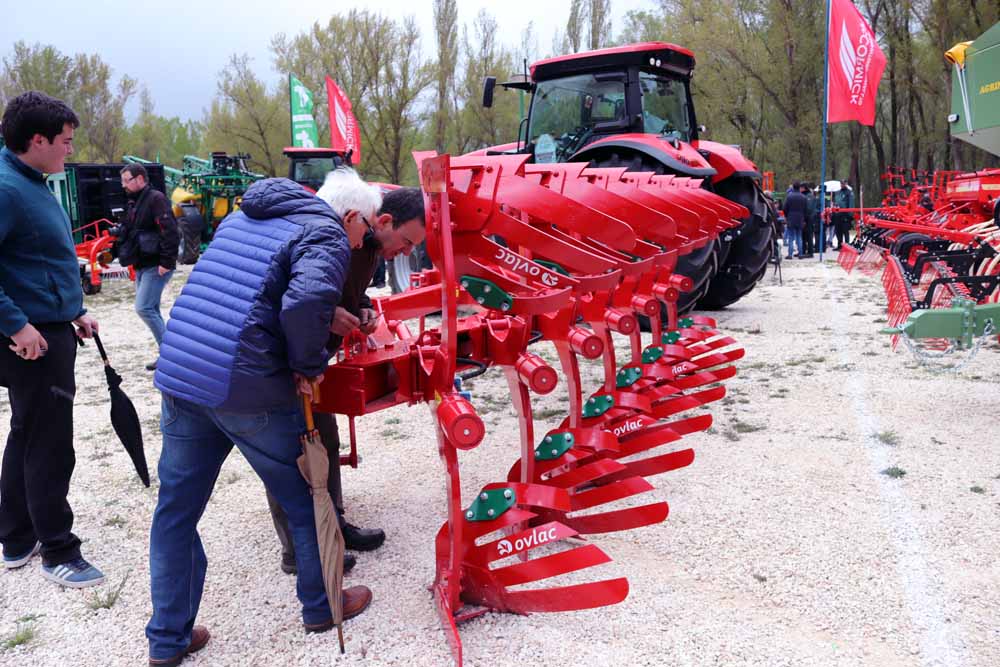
(857, 313)
(757, 365)
(100, 454)
(728, 400)
(731, 435)
(879, 320)
(889, 438)
(759, 577)
(109, 598)
(388, 433)
(549, 413)
(232, 478)
(115, 522)
(742, 400)
(977, 489)
(941, 442)
(393, 420)
(744, 427)
(809, 359)
(894, 472)
(25, 631)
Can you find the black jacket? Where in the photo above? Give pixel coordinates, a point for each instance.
(148, 236)
(795, 209)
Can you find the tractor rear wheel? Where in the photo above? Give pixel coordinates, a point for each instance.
(702, 264)
(750, 249)
(190, 225)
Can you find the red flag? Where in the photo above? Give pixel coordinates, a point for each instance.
(856, 65)
(345, 135)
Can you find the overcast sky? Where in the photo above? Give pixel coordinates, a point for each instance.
(177, 49)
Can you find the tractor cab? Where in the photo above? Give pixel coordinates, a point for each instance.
(309, 166)
(580, 98)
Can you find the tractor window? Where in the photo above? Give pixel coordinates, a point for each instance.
(312, 171)
(565, 111)
(665, 106)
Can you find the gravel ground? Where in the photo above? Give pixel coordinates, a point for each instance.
(785, 545)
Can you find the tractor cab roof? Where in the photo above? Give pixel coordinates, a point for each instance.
(657, 55)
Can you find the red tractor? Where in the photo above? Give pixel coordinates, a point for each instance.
(631, 107)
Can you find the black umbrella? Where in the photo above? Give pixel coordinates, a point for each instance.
(124, 418)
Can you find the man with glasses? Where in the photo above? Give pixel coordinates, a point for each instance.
(148, 241)
(396, 229)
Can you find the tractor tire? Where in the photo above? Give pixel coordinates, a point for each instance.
(702, 264)
(89, 288)
(191, 225)
(750, 249)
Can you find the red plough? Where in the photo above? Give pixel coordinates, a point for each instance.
(573, 256)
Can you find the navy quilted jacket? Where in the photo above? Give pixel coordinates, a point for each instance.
(258, 304)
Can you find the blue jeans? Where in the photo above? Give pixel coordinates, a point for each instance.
(196, 441)
(793, 236)
(149, 286)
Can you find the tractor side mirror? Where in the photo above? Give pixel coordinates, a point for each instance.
(488, 86)
(702, 129)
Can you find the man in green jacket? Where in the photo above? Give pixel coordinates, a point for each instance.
(40, 301)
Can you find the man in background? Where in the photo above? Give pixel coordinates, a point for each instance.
(794, 209)
(40, 302)
(148, 241)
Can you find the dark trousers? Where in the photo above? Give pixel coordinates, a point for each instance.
(326, 424)
(808, 242)
(38, 460)
(844, 224)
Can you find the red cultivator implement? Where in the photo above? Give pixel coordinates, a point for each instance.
(94, 255)
(544, 252)
(939, 242)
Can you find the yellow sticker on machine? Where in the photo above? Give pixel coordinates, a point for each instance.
(989, 88)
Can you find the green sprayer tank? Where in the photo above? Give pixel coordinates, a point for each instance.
(975, 92)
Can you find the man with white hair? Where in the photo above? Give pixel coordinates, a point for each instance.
(394, 228)
(249, 332)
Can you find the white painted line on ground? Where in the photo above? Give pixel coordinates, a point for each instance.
(941, 644)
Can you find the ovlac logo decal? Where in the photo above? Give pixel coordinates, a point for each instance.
(627, 427)
(519, 264)
(532, 539)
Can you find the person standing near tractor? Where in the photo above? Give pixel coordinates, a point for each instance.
(148, 241)
(396, 229)
(794, 209)
(40, 302)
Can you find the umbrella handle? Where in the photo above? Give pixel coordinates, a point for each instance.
(100, 348)
(307, 407)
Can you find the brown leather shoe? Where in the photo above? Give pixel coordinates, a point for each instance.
(356, 600)
(199, 637)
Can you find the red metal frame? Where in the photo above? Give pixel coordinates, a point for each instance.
(607, 272)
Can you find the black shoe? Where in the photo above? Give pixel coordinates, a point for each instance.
(363, 539)
(151, 366)
(288, 566)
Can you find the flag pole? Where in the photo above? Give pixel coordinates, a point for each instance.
(291, 114)
(826, 111)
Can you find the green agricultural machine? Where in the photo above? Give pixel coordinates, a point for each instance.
(975, 95)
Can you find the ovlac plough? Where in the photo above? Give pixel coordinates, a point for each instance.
(571, 255)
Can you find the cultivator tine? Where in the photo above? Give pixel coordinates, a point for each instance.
(871, 260)
(899, 294)
(848, 257)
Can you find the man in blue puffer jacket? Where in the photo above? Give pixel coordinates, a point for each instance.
(248, 331)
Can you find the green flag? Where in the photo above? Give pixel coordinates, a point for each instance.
(303, 124)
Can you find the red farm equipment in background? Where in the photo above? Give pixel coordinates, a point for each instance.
(542, 252)
(937, 240)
